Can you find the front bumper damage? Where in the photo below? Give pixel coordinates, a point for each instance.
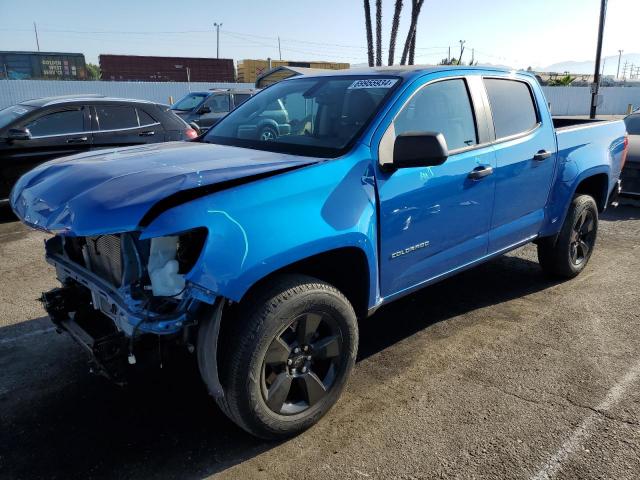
(107, 320)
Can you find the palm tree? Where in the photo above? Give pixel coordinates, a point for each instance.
(367, 21)
(394, 30)
(378, 32)
(416, 5)
(412, 48)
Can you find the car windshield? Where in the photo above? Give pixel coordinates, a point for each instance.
(189, 102)
(319, 116)
(9, 114)
(633, 124)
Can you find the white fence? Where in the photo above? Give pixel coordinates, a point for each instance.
(15, 91)
(577, 100)
(563, 100)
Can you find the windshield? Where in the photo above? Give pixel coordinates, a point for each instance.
(189, 102)
(9, 114)
(307, 116)
(633, 124)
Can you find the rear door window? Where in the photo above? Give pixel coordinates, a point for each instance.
(218, 103)
(443, 107)
(512, 106)
(114, 117)
(239, 98)
(57, 123)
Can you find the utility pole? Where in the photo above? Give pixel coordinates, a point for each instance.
(35, 29)
(449, 57)
(596, 73)
(473, 56)
(217, 25)
(619, 58)
(624, 70)
(279, 49)
(462, 42)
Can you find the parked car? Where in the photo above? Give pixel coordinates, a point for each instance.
(205, 109)
(631, 171)
(260, 256)
(35, 131)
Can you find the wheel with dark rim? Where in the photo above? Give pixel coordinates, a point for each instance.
(301, 364)
(583, 237)
(289, 351)
(567, 254)
(268, 134)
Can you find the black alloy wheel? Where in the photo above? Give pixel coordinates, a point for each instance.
(582, 237)
(301, 364)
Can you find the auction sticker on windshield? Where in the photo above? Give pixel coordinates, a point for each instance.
(373, 83)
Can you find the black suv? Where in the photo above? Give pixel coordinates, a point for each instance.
(205, 109)
(35, 131)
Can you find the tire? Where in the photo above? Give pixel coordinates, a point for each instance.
(267, 134)
(566, 255)
(290, 352)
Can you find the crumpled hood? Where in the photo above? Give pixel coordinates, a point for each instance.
(109, 191)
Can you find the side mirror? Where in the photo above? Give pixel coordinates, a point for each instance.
(419, 149)
(18, 134)
(204, 110)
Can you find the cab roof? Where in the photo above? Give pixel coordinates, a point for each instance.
(407, 71)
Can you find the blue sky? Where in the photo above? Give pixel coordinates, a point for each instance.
(512, 32)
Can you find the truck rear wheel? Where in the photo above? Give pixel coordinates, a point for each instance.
(292, 349)
(568, 255)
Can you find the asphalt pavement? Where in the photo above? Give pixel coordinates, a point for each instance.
(498, 373)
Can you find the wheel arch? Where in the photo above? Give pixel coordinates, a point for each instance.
(346, 268)
(597, 186)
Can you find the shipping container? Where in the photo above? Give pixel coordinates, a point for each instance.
(249, 70)
(166, 69)
(42, 65)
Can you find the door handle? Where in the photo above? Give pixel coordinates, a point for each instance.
(480, 172)
(541, 155)
(147, 134)
(77, 140)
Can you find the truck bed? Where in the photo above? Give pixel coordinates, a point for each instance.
(568, 122)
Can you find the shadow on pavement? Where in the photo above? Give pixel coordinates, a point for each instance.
(6, 214)
(627, 210)
(166, 426)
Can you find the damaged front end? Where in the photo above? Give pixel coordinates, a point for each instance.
(119, 288)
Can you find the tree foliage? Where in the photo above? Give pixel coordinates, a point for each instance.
(93, 71)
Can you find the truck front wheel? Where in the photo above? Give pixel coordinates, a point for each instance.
(291, 350)
(567, 255)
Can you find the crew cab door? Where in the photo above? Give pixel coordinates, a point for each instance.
(525, 147)
(434, 220)
(119, 126)
(56, 132)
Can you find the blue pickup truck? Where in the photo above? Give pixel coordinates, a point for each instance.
(259, 255)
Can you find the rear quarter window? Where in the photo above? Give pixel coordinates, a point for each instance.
(145, 118)
(512, 106)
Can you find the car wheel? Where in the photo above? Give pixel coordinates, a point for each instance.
(291, 350)
(569, 254)
(268, 134)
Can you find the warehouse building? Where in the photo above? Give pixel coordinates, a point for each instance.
(250, 70)
(42, 65)
(166, 69)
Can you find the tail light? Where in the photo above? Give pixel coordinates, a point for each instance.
(190, 133)
(625, 150)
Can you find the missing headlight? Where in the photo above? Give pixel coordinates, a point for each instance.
(170, 258)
